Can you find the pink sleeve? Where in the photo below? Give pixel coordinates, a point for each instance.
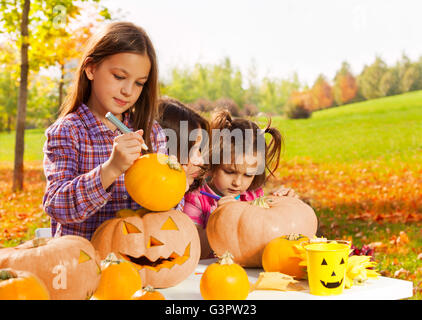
(193, 208)
(259, 192)
(252, 195)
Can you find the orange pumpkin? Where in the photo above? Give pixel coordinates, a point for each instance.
(21, 285)
(281, 255)
(68, 265)
(164, 246)
(245, 228)
(224, 280)
(119, 280)
(156, 182)
(148, 293)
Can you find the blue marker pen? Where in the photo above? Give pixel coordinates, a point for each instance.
(214, 196)
(121, 126)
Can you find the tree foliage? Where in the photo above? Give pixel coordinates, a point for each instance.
(33, 27)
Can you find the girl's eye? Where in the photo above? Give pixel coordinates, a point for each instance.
(118, 77)
(249, 175)
(228, 171)
(140, 84)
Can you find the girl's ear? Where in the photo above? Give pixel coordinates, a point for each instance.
(89, 69)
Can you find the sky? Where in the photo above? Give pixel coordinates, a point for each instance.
(278, 37)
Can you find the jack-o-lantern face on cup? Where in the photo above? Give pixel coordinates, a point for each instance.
(164, 246)
(327, 264)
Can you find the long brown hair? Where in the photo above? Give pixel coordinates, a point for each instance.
(171, 112)
(222, 120)
(118, 37)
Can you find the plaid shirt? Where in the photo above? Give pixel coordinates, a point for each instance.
(75, 148)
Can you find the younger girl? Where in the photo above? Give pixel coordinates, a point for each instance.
(85, 156)
(240, 178)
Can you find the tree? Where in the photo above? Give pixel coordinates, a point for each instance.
(389, 83)
(410, 78)
(8, 97)
(35, 26)
(345, 86)
(323, 93)
(369, 79)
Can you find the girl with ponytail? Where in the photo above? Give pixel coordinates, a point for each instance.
(241, 161)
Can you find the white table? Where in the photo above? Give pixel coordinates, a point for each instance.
(382, 288)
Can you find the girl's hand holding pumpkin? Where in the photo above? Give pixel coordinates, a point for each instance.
(126, 149)
(285, 192)
(225, 199)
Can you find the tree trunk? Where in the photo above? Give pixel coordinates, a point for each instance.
(23, 93)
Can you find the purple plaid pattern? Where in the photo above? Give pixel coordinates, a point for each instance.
(75, 148)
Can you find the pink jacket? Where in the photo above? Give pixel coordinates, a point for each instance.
(199, 207)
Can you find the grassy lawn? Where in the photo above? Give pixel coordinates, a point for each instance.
(359, 166)
(387, 129)
(34, 141)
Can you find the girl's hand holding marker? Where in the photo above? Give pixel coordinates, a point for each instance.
(126, 147)
(123, 129)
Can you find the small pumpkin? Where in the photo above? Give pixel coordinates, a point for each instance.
(281, 255)
(21, 285)
(156, 182)
(224, 280)
(245, 228)
(148, 293)
(119, 280)
(164, 246)
(68, 265)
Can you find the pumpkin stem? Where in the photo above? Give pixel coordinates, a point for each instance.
(260, 202)
(109, 260)
(294, 236)
(226, 258)
(149, 288)
(173, 163)
(38, 242)
(6, 274)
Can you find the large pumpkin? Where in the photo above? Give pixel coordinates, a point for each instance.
(164, 246)
(68, 265)
(156, 182)
(245, 228)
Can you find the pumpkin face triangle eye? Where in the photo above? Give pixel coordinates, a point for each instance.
(324, 263)
(129, 228)
(169, 225)
(342, 261)
(83, 257)
(153, 242)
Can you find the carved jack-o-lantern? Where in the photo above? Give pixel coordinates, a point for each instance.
(68, 265)
(164, 246)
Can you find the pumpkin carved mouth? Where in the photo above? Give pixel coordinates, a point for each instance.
(161, 262)
(332, 285)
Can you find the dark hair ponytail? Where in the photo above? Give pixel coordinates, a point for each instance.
(274, 149)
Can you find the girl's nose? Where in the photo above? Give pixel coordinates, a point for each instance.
(237, 180)
(126, 90)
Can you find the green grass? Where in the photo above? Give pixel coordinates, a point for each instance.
(387, 128)
(34, 141)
